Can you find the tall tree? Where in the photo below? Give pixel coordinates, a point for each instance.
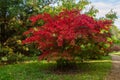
(8, 11)
(14, 14)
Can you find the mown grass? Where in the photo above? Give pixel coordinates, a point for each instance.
(34, 70)
(116, 53)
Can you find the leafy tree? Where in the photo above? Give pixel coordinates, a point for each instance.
(68, 35)
(15, 13)
(8, 11)
(13, 22)
(64, 50)
(111, 15)
(92, 12)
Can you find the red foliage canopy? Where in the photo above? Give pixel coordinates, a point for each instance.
(60, 32)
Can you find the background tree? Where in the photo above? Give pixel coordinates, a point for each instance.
(13, 22)
(8, 11)
(115, 32)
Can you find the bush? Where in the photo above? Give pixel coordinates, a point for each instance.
(7, 55)
(115, 48)
(69, 35)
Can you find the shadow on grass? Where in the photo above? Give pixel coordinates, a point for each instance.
(51, 67)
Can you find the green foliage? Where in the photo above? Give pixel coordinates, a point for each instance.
(92, 12)
(72, 4)
(115, 34)
(13, 22)
(111, 15)
(7, 55)
(65, 4)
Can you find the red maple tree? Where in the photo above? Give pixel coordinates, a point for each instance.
(61, 35)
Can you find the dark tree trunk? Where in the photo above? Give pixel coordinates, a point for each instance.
(3, 33)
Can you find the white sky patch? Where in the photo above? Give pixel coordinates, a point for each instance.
(104, 8)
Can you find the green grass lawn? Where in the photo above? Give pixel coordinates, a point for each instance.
(116, 53)
(34, 70)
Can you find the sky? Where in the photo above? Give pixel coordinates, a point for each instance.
(104, 6)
